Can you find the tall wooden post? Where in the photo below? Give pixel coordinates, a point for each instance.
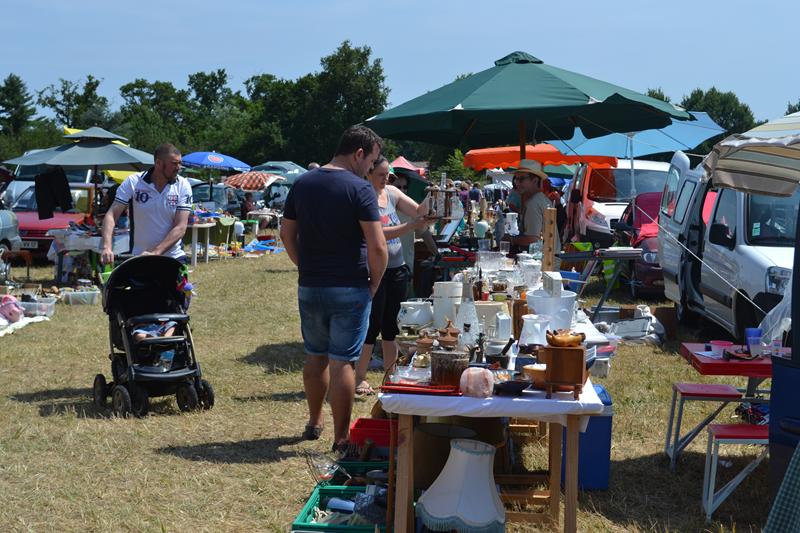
(549, 240)
(522, 142)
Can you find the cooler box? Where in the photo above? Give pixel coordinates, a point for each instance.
(594, 448)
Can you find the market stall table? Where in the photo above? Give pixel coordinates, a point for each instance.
(561, 409)
(204, 226)
(70, 241)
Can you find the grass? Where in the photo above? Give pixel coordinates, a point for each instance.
(240, 467)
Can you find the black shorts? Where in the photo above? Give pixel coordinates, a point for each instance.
(386, 304)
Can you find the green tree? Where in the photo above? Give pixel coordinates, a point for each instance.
(38, 133)
(157, 112)
(724, 108)
(76, 105)
(658, 94)
(454, 166)
(792, 108)
(16, 106)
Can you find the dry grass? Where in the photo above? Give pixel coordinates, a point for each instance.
(240, 466)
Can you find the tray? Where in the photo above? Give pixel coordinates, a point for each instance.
(438, 390)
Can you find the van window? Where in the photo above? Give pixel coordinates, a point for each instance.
(725, 212)
(683, 201)
(771, 221)
(670, 189)
(29, 172)
(619, 185)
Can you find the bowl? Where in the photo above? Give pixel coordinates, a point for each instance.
(511, 387)
(536, 373)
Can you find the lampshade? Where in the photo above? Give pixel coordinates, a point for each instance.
(464, 497)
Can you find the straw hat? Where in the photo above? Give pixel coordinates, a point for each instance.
(532, 167)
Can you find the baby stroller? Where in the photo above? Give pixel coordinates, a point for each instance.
(147, 292)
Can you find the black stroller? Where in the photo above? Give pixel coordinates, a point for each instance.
(147, 292)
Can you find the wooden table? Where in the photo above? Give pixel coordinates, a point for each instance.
(558, 411)
(204, 226)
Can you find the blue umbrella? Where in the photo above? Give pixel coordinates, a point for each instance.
(215, 161)
(680, 135)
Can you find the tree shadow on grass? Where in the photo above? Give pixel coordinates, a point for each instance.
(59, 402)
(644, 492)
(277, 358)
(248, 451)
(294, 396)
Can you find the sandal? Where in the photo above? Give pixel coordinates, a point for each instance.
(312, 432)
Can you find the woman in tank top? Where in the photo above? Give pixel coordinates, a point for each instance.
(394, 285)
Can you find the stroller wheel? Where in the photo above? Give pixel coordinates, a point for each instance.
(139, 400)
(121, 401)
(187, 398)
(100, 392)
(206, 394)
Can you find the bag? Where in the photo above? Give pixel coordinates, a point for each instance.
(10, 309)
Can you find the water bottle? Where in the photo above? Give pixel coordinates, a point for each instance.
(166, 359)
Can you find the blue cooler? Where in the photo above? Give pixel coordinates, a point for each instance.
(594, 447)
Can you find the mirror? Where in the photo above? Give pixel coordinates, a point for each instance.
(718, 234)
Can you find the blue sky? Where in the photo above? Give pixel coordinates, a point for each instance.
(745, 47)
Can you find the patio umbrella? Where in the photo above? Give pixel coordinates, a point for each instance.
(520, 98)
(252, 181)
(213, 160)
(764, 160)
(680, 135)
(545, 153)
(92, 148)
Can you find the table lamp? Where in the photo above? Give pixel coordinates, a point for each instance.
(464, 497)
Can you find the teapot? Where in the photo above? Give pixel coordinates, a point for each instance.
(415, 313)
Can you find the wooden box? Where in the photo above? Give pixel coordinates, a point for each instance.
(566, 369)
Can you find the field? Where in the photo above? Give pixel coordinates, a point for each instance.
(64, 466)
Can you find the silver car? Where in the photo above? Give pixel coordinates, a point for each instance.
(9, 238)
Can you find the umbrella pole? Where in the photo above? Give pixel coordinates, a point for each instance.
(522, 142)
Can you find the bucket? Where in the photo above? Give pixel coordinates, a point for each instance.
(432, 448)
(560, 309)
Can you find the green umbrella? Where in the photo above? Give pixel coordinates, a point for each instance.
(521, 94)
(93, 148)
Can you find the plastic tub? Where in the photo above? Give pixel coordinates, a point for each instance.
(41, 307)
(81, 297)
(319, 497)
(375, 429)
(719, 347)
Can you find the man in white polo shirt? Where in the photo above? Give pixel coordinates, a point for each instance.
(158, 202)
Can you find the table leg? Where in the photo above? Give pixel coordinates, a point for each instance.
(571, 476)
(554, 438)
(609, 287)
(59, 268)
(404, 497)
(194, 246)
(205, 249)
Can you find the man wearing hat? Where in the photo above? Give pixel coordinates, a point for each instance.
(528, 179)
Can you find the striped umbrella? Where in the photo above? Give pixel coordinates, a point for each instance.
(252, 181)
(764, 160)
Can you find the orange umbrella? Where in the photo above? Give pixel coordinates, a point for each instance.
(546, 154)
(252, 181)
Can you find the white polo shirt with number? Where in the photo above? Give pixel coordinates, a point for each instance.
(152, 213)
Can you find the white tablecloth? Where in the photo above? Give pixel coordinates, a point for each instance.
(71, 241)
(531, 405)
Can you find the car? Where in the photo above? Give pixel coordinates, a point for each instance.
(24, 178)
(638, 227)
(33, 230)
(219, 196)
(275, 196)
(598, 195)
(726, 255)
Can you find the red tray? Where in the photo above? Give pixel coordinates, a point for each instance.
(439, 390)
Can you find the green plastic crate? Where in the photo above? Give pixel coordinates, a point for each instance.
(303, 520)
(359, 468)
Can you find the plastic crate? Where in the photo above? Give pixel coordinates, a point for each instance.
(81, 298)
(375, 429)
(320, 494)
(356, 469)
(41, 307)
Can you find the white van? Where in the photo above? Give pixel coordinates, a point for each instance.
(24, 178)
(598, 196)
(738, 246)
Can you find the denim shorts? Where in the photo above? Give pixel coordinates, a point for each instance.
(334, 320)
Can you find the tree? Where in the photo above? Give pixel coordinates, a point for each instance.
(724, 108)
(157, 112)
(76, 106)
(658, 94)
(792, 108)
(454, 166)
(16, 106)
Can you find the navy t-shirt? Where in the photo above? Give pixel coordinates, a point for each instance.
(327, 205)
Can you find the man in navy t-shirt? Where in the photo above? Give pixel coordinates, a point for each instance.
(331, 230)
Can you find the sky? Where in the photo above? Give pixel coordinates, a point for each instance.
(741, 46)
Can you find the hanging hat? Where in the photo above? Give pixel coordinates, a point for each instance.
(532, 167)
